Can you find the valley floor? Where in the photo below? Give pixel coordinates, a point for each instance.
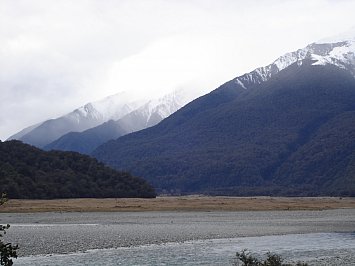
(181, 203)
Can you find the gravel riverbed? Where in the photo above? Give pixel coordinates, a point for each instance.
(60, 233)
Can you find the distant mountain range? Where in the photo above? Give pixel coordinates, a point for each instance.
(28, 172)
(147, 115)
(87, 116)
(93, 124)
(284, 129)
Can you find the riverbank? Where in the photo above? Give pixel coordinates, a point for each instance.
(182, 203)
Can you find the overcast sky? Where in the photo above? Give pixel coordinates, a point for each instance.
(57, 55)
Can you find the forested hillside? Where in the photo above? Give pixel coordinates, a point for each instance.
(291, 135)
(28, 172)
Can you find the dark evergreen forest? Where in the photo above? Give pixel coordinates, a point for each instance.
(28, 172)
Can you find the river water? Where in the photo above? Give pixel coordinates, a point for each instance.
(181, 238)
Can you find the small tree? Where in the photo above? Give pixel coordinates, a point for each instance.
(247, 259)
(7, 251)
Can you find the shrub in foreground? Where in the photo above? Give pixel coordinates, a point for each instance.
(7, 250)
(245, 258)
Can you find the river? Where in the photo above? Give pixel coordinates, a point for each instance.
(181, 238)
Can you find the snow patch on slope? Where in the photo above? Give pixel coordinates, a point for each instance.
(112, 107)
(166, 105)
(341, 54)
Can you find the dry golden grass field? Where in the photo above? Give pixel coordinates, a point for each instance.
(182, 203)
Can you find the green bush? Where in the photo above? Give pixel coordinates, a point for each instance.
(247, 259)
(7, 250)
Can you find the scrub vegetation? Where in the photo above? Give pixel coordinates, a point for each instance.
(7, 250)
(245, 258)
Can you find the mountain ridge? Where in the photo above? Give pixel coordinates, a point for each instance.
(50, 134)
(147, 115)
(174, 160)
(314, 51)
(82, 118)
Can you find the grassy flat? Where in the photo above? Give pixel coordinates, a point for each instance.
(181, 203)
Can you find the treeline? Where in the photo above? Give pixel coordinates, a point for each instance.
(27, 172)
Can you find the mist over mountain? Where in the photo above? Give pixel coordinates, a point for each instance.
(284, 129)
(147, 115)
(93, 124)
(87, 116)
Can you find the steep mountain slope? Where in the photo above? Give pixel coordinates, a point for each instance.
(28, 172)
(87, 116)
(332, 145)
(23, 132)
(86, 141)
(241, 138)
(145, 116)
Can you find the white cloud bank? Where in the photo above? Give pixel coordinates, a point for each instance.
(58, 55)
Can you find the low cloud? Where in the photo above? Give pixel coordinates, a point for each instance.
(58, 55)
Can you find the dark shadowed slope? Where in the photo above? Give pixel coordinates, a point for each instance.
(277, 137)
(85, 142)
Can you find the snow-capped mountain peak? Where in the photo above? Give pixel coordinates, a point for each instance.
(148, 114)
(164, 106)
(341, 54)
(125, 107)
(112, 107)
(85, 117)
